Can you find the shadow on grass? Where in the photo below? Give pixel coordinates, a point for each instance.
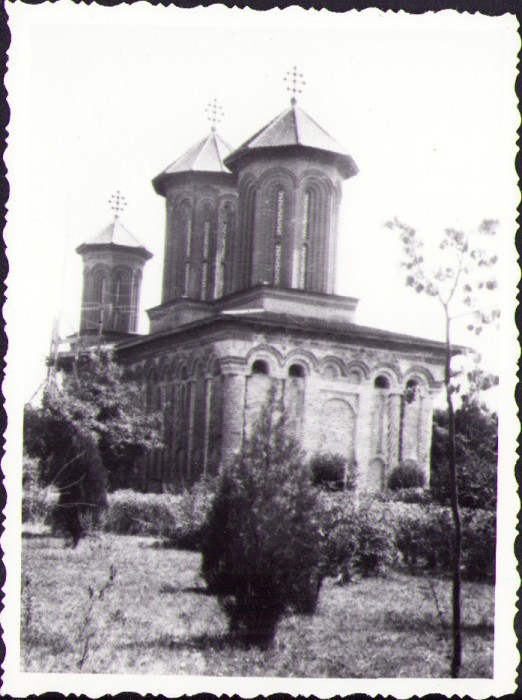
(28, 535)
(197, 590)
(202, 642)
(400, 622)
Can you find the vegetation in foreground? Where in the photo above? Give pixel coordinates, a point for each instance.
(153, 618)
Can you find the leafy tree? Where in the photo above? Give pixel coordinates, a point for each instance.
(96, 398)
(475, 449)
(261, 549)
(460, 279)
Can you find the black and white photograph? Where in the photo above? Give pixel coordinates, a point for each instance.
(262, 351)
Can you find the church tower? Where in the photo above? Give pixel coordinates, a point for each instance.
(201, 202)
(289, 176)
(113, 262)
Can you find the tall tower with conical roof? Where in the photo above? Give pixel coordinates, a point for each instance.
(201, 202)
(290, 174)
(113, 262)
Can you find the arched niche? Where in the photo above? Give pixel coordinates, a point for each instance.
(260, 367)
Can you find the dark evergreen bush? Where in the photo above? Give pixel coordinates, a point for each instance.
(333, 471)
(406, 476)
(77, 472)
(261, 551)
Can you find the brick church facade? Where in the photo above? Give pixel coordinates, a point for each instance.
(248, 304)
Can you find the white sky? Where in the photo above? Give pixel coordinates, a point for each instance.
(105, 98)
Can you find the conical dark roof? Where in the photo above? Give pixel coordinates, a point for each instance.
(292, 128)
(206, 156)
(115, 234)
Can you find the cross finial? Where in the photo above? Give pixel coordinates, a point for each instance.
(295, 83)
(118, 203)
(215, 113)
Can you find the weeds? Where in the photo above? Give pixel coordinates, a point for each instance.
(91, 622)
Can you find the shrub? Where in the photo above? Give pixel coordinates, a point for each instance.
(409, 495)
(132, 513)
(38, 501)
(261, 552)
(406, 476)
(424, 538)
(479, 545)
(476, 479)
(358, 537)
(186, 530)
(77, 472)
(476, 451)
(333, 471)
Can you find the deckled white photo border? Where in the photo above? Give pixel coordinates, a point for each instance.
(21, 18)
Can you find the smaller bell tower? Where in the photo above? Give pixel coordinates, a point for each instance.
(113, 262)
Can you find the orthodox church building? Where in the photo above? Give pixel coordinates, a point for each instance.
(248, 303)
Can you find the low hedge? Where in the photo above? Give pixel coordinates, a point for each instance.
(361, 535)
(358, 537)
(133, 513)
(367, 536)
(176, 518)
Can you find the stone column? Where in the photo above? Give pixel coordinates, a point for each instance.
(233, 411)
(394, 428)
(191, 388)
(208, 398)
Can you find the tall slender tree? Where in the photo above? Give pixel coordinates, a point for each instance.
(459, 277)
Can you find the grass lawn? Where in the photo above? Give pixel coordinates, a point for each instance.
(154, 620)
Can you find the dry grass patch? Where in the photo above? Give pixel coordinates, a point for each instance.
(156, 619)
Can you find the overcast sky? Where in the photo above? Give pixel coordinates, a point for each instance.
(105, 98)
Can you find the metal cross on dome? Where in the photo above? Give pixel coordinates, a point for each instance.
(215, 113)
(117, 203)
(295, 83)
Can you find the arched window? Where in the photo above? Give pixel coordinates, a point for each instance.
(186, 240)
(205, 250)
(99, 298)
(100, 288)
(241, 271)
(381, 382)
(224, 251)
(296, 371)
(280, 213)
(278, 229)
(410, 393)
(260, 367)
(307, 233)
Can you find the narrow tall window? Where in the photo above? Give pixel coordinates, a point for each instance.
(206, 238)
(187, 279)
(303, 264)
(221, 257)
(204, 264)
(188, 234)
(280, 213)
(277, 263)
(306, 216)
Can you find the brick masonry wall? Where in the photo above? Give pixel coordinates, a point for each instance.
(334, 407)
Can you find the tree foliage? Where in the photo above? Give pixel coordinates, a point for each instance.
(261, 550)
(476, 453)
(459, 281)
(97, 399)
